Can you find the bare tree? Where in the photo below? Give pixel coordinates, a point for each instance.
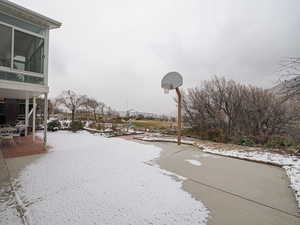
(109, 111)
(237, 110)
(290, 72)
(101, 107)
(96, 106)
(53, 106)
(71, 100)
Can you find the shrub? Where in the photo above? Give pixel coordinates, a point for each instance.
(261, 140)
(76, 125)
(245, 141)
(65, 124)
(215, 135)
(53, 125)
(279, 142)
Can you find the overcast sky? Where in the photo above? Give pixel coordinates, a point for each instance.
(117, 50)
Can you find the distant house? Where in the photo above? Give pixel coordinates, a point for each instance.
(135, 113)
(24, 45)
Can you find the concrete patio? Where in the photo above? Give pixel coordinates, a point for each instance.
(23, 146)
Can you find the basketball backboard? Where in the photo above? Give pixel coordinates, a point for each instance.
(171, 81)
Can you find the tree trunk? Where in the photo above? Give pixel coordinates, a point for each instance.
(95, 116)
(73, 115)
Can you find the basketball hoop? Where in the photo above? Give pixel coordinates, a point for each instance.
(173, 80)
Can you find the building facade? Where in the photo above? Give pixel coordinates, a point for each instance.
(24, 54)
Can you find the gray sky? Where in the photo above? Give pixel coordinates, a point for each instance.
(117, 50)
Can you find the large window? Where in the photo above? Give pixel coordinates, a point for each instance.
(5, 46)
(22, 53)
(28, 52)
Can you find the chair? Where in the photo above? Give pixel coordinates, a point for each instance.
(16, 133)
(6, 137)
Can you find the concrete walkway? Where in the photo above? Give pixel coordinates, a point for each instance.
(235, 191)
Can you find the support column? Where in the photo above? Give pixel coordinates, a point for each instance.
(33, 118)
(26, 115)
(45, 118)
(179, 116)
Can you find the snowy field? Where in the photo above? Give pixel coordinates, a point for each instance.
(88, 179)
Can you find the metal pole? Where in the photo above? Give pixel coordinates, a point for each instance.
(45, 118)
(179, 116)
(33, 118)
(26, 115)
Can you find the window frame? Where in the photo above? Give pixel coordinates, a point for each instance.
(11, 68)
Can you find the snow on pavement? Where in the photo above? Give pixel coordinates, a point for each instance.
(205, 155)
(194, 162)
(88, 179)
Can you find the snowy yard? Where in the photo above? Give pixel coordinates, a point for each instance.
(88, 179)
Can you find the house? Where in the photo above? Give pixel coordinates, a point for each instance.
(24, 53)
(136, 114)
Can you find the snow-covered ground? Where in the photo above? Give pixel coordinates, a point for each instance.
(173, 140)
(194, 162)
(123, 131)
(88, 179)
(291, 164)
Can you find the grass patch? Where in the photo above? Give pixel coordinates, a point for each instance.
(152, 124)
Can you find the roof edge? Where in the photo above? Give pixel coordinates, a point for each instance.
(51, 23)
